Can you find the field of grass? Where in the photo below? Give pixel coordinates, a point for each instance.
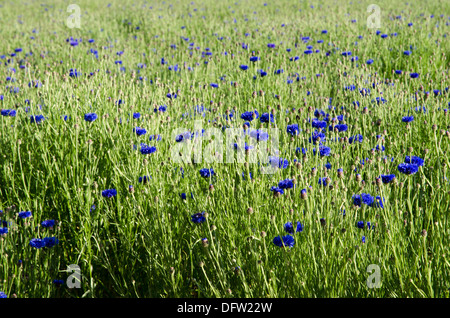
(111, 103)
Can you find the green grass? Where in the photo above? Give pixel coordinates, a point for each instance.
(143, 243)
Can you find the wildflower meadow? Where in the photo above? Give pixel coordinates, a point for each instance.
(224, 149)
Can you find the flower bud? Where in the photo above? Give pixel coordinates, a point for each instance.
(303, 194)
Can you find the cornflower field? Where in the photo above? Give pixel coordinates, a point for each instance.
(224, 149)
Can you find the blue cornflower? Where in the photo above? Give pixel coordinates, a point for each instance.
(254, 59)
(74, 73)
(286, 184)
(146, 150)
(3, 230)
(9, 112)
(161, 108)
(139, 131)
(407, 168)
(414, 75)
(323, 151)
(248, 116)
(317, 136)
(363, 198)
(48, 223)
(323, 181)
(37, 243)
(90, 117)
(198, 217)
(206, 173)
(319, 113)
(183, 196)
(285, 241)
(319, 124)
(367, 199)
(292, 129)
(37, 119)
(50, 241)
(25, 214)
(380, 148)
(355, 138)
(109, 193)
(265, 118)
(58, 282)
(276, 190)
(387, 178)
(339, 127)
(360, 224)
(414, 160)
(303, 193)
(300, 150)
(289, 227)
(379, 100)
(136, 115)
(243, 67)
(377, 203)
(407, 119)
(364, 91)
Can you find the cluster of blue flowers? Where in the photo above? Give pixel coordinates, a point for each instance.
(367, 199)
